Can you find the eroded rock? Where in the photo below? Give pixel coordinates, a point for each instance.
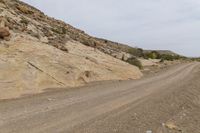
(4, 33)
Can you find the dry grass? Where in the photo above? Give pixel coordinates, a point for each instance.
(24, 9)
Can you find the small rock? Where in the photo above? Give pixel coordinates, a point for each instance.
(163, 124)
(44, 39)
(50, 99)
(63, 48)
(172, 126)
(4, 32)
(149, 131)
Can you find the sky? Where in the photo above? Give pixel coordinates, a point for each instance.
(149, 24)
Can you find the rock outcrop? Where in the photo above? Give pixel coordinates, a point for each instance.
(28, 66)
(46, 53)
(4, 32)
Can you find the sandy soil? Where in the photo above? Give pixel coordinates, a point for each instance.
(168, 102)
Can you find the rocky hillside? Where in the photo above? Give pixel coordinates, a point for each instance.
(28, 20)
(39, 52)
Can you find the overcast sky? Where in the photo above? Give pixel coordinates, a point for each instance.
(149, 24)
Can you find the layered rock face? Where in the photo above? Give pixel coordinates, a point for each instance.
(38, 52)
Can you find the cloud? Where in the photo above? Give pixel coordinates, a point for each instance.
(150, 24)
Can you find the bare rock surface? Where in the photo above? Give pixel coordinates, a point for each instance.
(28, 66)
(4, 32)
(39, 52)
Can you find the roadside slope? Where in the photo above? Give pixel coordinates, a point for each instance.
(38, 52)
(29, 66)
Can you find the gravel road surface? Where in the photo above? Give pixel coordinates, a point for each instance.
(166, 102)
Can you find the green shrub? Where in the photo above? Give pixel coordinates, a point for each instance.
(170, 57)
(24, 21)
(136, 52)
(167, 57)
(59, 30)
(24, 9)
(195, 59)
(85, 41)
(152, 55)
(64, 31)
(134, 61)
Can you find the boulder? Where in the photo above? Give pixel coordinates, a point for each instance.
(4, 33)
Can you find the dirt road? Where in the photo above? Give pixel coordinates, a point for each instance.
(168, 102)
